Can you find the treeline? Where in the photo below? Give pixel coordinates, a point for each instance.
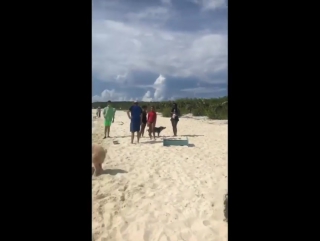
(215, 108)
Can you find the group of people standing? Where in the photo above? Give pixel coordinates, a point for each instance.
(140, 118)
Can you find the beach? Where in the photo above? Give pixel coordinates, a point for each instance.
(149, 192)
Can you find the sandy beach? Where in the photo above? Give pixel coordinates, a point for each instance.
(149, 192)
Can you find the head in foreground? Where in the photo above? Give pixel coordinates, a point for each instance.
(98, 156)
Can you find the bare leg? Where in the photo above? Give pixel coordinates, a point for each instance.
(153, 130)
(150, 130)
(143, 126)
(132, 137)
(105, 132)
(98, 169)
(174, 127)
(108, 131)
(138, 136)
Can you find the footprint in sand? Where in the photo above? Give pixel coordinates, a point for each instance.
(206, 223)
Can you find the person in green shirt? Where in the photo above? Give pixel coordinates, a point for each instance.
(108, 113)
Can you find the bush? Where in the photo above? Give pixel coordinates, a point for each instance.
(184, 111)
(166, 112)
(219, 112)
(214, 108)
(198, 112)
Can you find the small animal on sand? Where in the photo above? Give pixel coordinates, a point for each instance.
(159, 129)
(98, 156)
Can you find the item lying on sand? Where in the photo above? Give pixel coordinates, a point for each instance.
(98, 156)
(176, 141)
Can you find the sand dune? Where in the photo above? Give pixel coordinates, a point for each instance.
(149, 192)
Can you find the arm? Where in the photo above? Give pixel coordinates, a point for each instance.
(140, 115)
(155, 119)
(129, 112)
(114, 113)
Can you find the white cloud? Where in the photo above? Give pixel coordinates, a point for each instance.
(109, 95)
(211, 4)
(147, 96)
(118, 49)
(159, 90)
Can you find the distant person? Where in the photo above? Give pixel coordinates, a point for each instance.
(135, 115)
(152, 119)
(144, 120)
(108, 113)
(175, 113)
(98, 112)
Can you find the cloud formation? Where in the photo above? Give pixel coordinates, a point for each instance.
(131, 45)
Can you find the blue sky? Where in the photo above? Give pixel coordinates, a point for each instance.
(159, 49)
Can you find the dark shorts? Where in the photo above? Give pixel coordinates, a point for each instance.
(174, 121)
(135, 125)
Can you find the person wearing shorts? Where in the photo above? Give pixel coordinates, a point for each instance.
(135, 115)
(108, 113)
(152, 118)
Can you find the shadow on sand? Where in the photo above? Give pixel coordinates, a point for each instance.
(150, 142)
(113, 171)
(192, 135)
(122, 136)
(189, 145)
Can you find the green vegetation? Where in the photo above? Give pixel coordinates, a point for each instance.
(213, 108)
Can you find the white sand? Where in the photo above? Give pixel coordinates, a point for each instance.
(154, 193)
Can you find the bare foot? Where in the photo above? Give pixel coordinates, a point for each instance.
(98, 172)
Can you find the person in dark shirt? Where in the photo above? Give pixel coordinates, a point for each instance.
(175, 113)
(144, 120)
(135, 115)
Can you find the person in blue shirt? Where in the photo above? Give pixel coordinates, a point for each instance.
(135, 115)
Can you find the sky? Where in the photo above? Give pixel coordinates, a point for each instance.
(154, 50)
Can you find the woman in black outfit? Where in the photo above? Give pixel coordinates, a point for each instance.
(144, 120)
(175, 113)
